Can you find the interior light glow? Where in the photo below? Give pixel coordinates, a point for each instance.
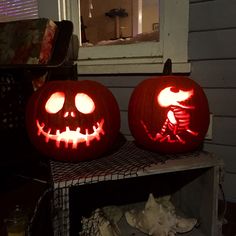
(55, 102)
(84, 103)
(71, 136)
(177, 118)
(169, 98)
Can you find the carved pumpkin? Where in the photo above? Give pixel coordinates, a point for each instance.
(168, 114)
(73, 120)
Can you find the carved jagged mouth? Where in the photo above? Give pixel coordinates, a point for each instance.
(71, 136)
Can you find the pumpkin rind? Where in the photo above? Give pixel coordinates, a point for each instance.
(176, 128)
(94, 130)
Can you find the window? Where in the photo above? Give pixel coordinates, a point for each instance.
(142, 57)
(118, 22)
(18, 9)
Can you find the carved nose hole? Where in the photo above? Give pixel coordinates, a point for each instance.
(72, 114)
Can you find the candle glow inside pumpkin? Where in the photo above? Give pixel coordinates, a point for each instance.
(85, 105)
(177, 117)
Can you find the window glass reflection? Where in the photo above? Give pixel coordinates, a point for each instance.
(111, 22)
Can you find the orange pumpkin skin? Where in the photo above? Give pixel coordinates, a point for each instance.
(168, 114)
(63, 128)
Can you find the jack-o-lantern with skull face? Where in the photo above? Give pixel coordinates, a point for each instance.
(169, 114)
(73, 120)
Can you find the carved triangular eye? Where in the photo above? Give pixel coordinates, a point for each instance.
(84, 103)
(55, 102)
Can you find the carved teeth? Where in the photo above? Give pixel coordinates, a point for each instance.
(74, 146)
(40, 130)
(71, 136)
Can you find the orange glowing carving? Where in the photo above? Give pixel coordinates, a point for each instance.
(55, 102)
(177, 117)
(84, 103)
(72, 114)
(171, 96)
(71, 136)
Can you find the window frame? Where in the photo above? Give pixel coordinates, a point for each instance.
(145, 57)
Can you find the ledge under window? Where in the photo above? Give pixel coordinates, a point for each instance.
(125, 66)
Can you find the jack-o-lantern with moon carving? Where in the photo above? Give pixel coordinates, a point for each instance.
(168, 114)
(73, 120)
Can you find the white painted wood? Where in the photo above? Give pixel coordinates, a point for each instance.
(212, 44)
(119, 81)
(209, 15)
(124, 123)
(140, 50)
(224, 130)
(212, 36)
(208, 73)
(125, 66)
(199, 1)
(175, 30)
(123, 100)
(214, 73)
(146, 57)
(229, 187)
(222, 101)
(226, 153)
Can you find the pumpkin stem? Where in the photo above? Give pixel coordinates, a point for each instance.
(167, 70)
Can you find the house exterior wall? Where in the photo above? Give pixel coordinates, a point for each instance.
(212, 53)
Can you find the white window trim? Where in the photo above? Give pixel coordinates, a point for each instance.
(146, 57)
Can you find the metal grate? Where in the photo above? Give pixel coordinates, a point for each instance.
(126, 162)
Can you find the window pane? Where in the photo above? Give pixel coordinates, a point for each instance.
(119, 21)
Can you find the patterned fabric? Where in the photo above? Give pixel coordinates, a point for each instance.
(27, 41)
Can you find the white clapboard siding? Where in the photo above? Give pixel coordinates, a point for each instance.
(119, 81)
(222, 102)
(199, 1)
(224, 130)
(212, 53)
(215, 44)
(227, 153)
(229, 187)
(214, 73)
(124, 123)
(217, 14)
(123, 100)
